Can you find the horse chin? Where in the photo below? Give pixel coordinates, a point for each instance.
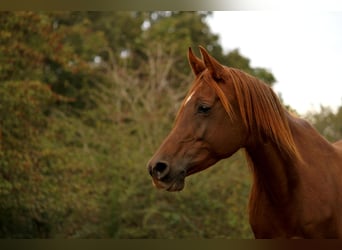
(176, 185)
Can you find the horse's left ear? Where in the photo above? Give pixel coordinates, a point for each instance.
(196, 64)
(215, 68)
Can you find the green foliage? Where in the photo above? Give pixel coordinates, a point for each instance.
(76, 133)
(39, 46)
(328, 123)
(55, 173)
(22, 108)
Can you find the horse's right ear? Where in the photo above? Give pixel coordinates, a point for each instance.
(197, 65)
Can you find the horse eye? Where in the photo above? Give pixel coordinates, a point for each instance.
(203, 109)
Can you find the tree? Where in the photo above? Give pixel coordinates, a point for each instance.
(328, 123)
(43, 77)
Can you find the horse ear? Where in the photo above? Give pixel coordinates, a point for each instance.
(196, 64)
(215, 68)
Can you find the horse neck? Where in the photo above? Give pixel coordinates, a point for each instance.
(274, 175)
(275, 172)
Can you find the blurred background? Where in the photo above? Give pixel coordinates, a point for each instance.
(85, 100)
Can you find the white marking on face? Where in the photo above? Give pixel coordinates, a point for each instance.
(189, 97)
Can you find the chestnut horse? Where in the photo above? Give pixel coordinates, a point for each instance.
(297, 184)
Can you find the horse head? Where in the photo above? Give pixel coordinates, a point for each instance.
(208, 126)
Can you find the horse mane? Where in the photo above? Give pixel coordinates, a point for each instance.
(259, 106)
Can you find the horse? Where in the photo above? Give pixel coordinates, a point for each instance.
(297, 174)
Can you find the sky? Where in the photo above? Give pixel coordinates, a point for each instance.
(302, 49)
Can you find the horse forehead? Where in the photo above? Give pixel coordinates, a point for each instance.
(203, 88)
(193, 92)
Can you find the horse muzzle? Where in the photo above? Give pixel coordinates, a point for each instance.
(164, 178)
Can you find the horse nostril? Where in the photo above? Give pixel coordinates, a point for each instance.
(160, 170)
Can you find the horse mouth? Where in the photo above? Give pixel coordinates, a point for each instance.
(176, 184)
